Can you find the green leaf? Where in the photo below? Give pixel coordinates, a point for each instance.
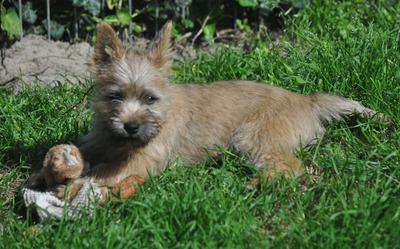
(10, 22)
(247, 3)
(111, 4)
(187, 23)
(92, 6)
(209, 31)
(123, 17)
(111, 19)
(299, 80)
(136, 28)
(243, 25)
(56, 29)
(266, 6)
(28, 14)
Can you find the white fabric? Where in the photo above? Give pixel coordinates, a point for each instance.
(50, 207)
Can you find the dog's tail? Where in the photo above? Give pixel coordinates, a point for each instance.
(331, 107)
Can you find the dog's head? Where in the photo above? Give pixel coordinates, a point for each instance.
(133, 96)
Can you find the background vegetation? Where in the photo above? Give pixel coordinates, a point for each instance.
(348, 196)
(74, 20)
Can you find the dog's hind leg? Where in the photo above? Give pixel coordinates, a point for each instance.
(271, 164)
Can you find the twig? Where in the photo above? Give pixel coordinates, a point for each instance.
(85, 95)
(8, 81)
(201, 29)
(15, 77)
(187, 35)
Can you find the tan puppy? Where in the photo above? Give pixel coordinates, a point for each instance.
(143, 122)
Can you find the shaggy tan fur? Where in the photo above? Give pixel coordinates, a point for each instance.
(143, 122)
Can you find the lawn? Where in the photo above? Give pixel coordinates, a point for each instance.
(348, 195)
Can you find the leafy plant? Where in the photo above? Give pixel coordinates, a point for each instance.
(243, 25)
(265, 7)
(122, 18)
(56, 29)
(192, 18)
(92, 6)
(28, 13)
(209, 30)
(10, 22)
(248, 3)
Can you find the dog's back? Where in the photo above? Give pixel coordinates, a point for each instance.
(246, 114)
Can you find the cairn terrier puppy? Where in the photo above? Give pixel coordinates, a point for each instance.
(143, 122)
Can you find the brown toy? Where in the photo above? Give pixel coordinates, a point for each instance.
(62, 165)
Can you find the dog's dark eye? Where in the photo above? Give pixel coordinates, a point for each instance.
(150, 100)
(114, 96)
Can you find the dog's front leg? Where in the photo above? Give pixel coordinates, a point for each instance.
(126, 187)
(108, 179)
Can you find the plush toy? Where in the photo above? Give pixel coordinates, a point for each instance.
(62, 165)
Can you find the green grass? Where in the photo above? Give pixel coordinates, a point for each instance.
(348, 196)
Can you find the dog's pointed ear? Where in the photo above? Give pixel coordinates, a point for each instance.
(108, 46)
(160, 49)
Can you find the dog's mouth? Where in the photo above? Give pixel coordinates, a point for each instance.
(123, 139)
(133, 141)
(134, 134)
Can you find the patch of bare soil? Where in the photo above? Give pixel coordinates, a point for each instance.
(36, 60)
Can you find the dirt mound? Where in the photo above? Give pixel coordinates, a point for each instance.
(36, 60)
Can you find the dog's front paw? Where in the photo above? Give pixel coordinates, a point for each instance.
(68, 192)
(60, 192)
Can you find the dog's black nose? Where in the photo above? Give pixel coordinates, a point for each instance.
(131, 127)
